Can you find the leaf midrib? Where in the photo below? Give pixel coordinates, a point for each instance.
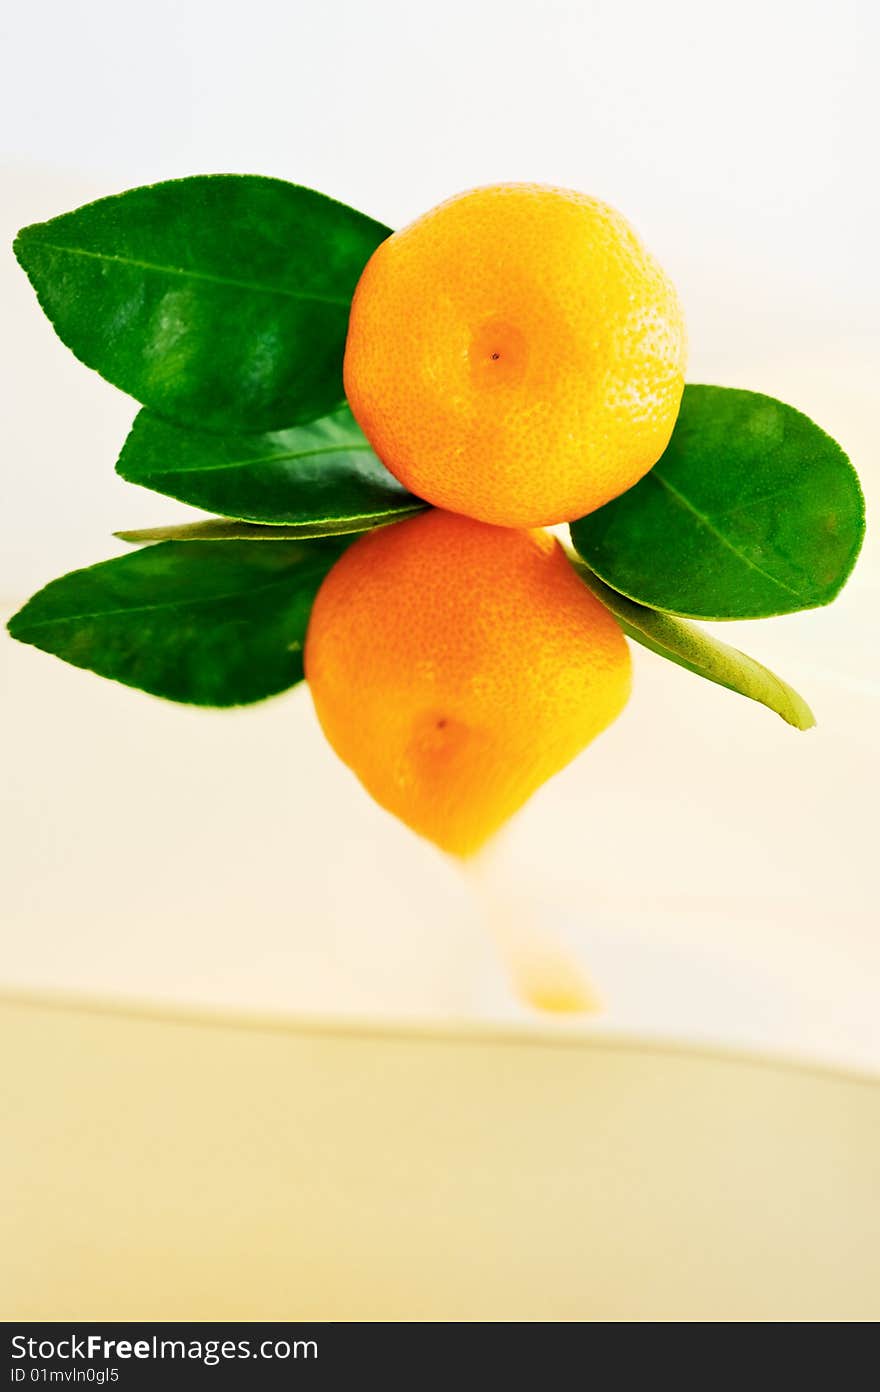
(187, 274)
(163, 604)
(282, 458)
(706, 522)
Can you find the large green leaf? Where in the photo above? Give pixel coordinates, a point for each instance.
(698, 652)
(220, 301)
(751, 511)
(220, 624)
(320, 477)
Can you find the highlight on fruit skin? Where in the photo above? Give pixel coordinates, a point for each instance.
(456, 666)
(516, 355)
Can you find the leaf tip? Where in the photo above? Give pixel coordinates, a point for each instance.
(20, 243)
(14, 625)
(801, 718)
(133, 538)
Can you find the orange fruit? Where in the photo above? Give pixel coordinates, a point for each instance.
(455, 666)
(516, 355)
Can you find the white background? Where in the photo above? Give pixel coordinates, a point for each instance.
(711, 868)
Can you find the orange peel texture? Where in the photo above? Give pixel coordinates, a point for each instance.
(455, 666)
(516, 355)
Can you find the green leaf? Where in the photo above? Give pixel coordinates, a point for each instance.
(220, 301)
(227, 529)
(220, 624)
(751, 511)
(321, 477)
(698, 652)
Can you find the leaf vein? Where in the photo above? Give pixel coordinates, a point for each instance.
(705, 521)
(186, 273)
(250, 463)
(799, 487)
(161, 604)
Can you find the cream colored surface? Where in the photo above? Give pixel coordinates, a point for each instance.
(176, 1169)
